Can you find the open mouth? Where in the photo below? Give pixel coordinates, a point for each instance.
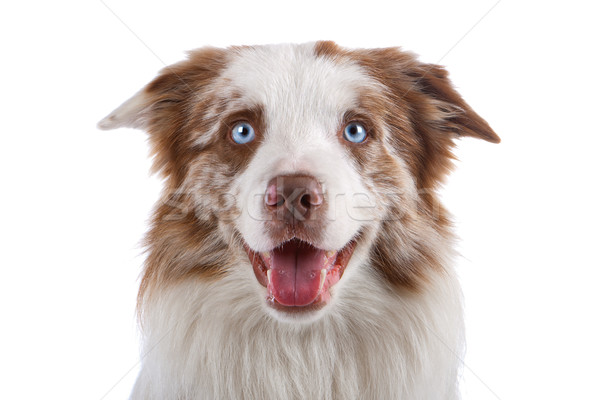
(298, 275)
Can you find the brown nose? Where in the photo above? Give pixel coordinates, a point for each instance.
(292, 198)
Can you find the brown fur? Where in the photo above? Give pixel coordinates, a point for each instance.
(174, 96)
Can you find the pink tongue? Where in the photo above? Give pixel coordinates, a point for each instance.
(296, 273)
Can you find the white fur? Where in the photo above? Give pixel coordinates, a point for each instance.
(215, 341)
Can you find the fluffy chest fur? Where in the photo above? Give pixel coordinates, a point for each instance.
(202, 346)
(299, 250)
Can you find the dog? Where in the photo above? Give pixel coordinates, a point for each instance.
(299, 249)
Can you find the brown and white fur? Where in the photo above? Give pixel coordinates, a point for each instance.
(392, 327)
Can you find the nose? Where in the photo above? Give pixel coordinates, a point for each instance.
(293, 197)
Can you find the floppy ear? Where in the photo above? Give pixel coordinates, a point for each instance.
(168, 92)
(161, 96)
(456, 114)
(437, 113)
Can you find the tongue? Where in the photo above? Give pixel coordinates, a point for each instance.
(296, 273)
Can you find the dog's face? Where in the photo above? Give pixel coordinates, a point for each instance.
(304, 163)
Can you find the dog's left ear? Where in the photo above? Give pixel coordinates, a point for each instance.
(456, 114)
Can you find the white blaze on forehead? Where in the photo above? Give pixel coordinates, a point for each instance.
(304, 98)
(295, 87)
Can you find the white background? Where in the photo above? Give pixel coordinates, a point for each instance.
(75, 200)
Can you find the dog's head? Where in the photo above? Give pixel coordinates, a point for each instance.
(304, 163)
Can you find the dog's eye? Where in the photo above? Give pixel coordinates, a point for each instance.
(242, 133)
(355, 132)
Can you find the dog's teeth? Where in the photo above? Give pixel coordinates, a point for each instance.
(330, 253)
(265, 254)
(323, 276)
(269, 276)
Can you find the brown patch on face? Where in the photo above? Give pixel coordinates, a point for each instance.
(437, 113)
(187, 101)
(220, 160)
(179, 89)
(235, 154)
(416, 117)
(421, 109)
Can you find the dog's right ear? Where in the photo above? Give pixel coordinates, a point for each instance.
(131, 114)
(168, 91)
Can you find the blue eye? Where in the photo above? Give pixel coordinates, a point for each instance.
(355, 132)
(242, 133)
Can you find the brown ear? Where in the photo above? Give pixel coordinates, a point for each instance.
(458, 116)
(170, 88)
(423, 94)
(165, 107)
